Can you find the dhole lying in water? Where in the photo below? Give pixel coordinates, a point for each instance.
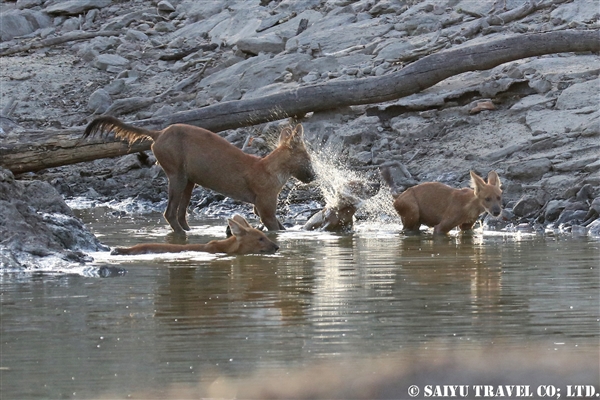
(339, 217)
(245, 240)
(190, 155)
(444, 208)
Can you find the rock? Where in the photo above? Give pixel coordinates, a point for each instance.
(164, 5)
(553, 209)
(37, 223)
(575, 165)
(529, 170)
(579, 95)
(126, 164)
(525, 206)
(136, 35)
(21, 22)
(76, 7)
(594, 228)
(585, 193)
(22, 4)
(99, 101)
(111, 62)
(270, 43)
(554, 121)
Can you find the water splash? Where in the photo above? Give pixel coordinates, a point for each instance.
(333, 177)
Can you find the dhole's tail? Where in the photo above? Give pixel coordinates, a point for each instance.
(106, 124)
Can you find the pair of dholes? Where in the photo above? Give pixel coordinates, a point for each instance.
(191, 155)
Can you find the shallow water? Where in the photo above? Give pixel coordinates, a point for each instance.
(189, 318)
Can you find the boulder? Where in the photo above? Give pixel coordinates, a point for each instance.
(38, 228)
(76, 7)
(22, 22)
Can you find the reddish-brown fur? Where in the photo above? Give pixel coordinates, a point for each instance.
(444, 208)
(245, 240)
(190, 155)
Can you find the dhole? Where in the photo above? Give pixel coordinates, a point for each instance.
(444, 208)
(339, 217)
(245, 240)
(190, 155)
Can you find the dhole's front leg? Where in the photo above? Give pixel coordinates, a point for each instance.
(266, 211)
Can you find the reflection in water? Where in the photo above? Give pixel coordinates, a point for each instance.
(187, 319)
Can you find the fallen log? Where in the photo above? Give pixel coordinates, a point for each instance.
(52, 149)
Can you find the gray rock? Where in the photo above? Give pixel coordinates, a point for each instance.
(71, 24)
(22, 22)
(531, 101)
(575, 165)
(338, 33)
(37, 223)
(22, 4)
(164, 5)
(579, 95)
(136, 35)
(554, 121)
(111, 62)
(75, 7)
(540, 85)
(525, 206)
(269, 43)
(529, 170)
(127, 163)
(99, 101)
(594, 228)
(553, 209)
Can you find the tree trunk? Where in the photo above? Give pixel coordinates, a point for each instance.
(60, 148)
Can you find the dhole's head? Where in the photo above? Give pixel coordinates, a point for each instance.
(489, 194)
(249, 239)
(298, 160)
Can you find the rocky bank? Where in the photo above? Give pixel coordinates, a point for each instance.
(535, 121)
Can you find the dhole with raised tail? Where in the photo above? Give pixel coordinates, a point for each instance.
(190, 155)
(444, 208)
(245, 240)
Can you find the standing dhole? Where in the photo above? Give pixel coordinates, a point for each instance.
(190, 155)
(245, 240)
(444, 208)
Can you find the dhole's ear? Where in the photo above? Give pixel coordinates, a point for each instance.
(291, 136)
(298, 132)
(285, 135)
(477, 182)
(493, 179)
(241, 220)
(236, 228)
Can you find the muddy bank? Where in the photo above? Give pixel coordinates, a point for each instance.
(535, 121)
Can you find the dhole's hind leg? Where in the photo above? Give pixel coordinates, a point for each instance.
(409, 213)
(176, 189)
(183, 205)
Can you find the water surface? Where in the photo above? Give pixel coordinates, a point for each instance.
(188, 318)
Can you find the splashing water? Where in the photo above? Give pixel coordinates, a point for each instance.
(333, 177)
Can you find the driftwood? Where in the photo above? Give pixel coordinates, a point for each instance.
(60, 148)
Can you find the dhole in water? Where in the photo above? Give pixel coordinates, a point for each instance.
(190, 155)
(245, 240)
(339, 217)
(444, 208)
